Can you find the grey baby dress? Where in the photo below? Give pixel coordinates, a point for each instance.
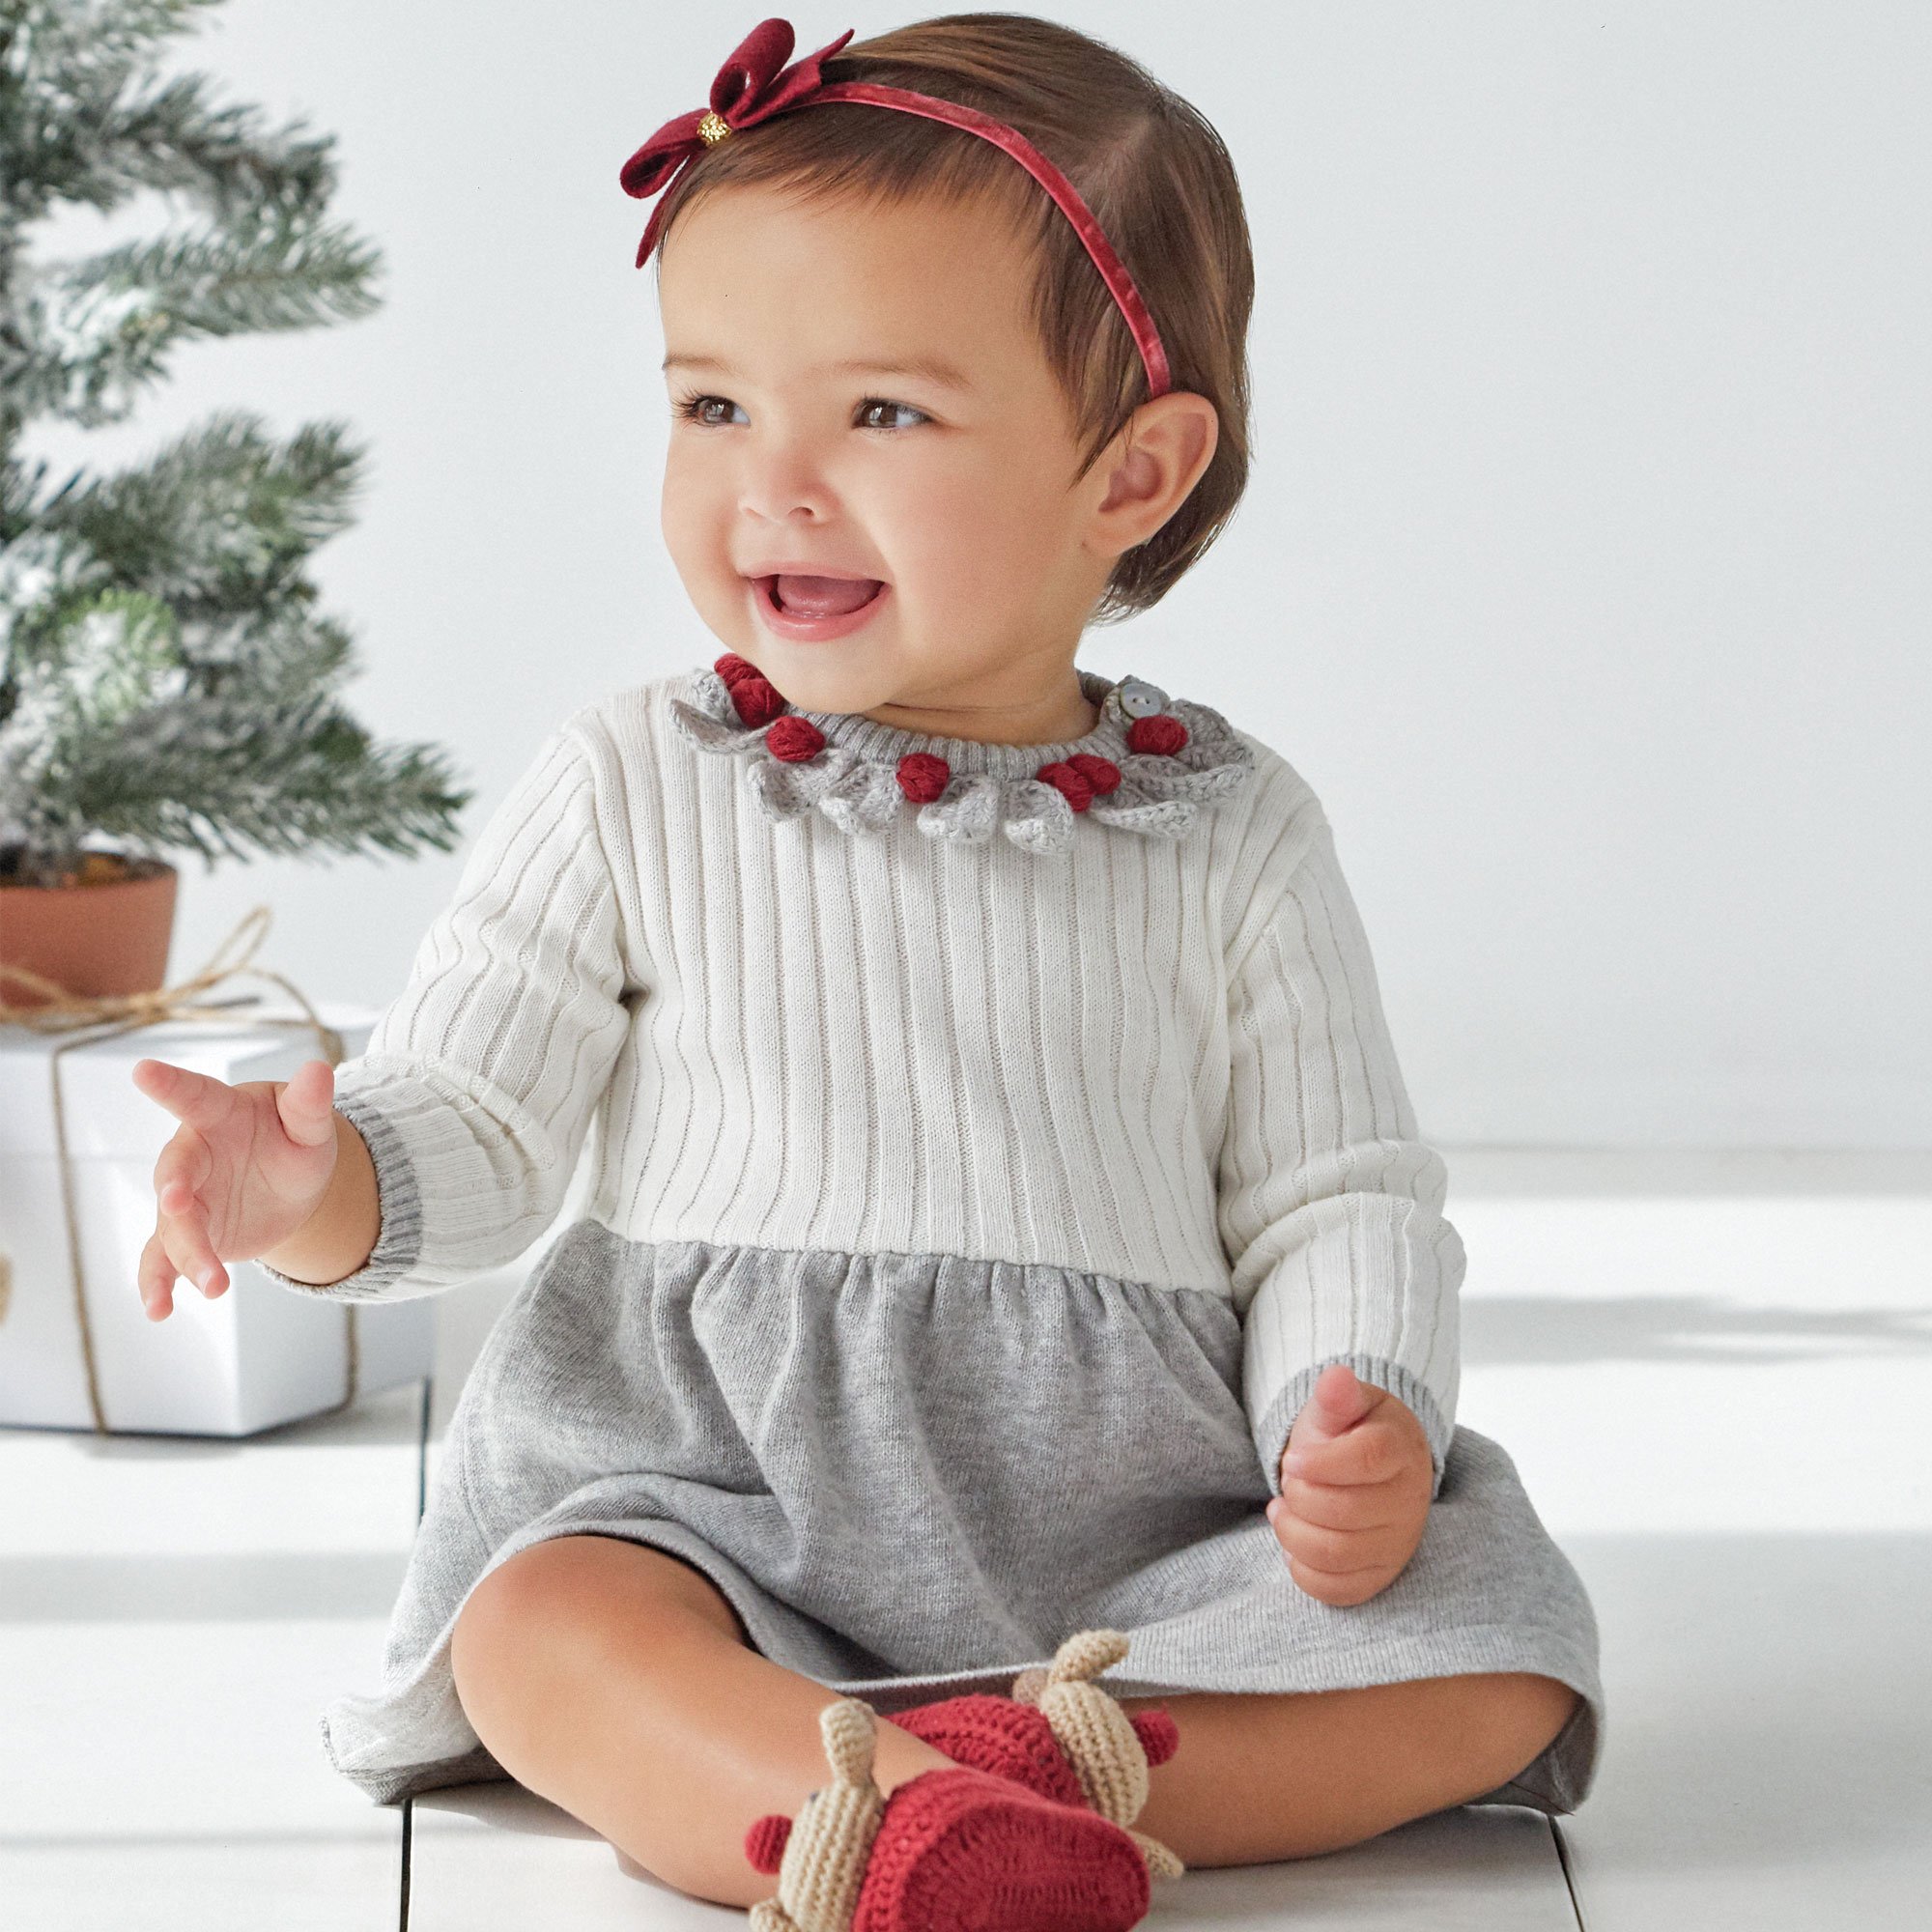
(992, 1144)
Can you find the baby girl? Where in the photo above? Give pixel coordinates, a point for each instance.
(988, 1442)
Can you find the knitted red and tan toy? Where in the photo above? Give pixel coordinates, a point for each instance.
(954, 1846)
(1061, 1735)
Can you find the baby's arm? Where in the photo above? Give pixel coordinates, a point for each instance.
(467, 1110)
(1330, 1205)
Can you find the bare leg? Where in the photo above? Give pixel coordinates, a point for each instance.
(1264, 1776)
(616, 1681)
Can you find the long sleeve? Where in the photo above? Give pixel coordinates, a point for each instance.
(480, 1079)
(1329, 1208)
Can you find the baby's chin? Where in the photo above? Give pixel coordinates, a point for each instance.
(840, 674)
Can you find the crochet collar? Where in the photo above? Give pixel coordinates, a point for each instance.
(1150, 765)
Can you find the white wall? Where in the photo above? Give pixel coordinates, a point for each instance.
(1584, 572)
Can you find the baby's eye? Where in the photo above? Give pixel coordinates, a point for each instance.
(698, 409)
(872, 403)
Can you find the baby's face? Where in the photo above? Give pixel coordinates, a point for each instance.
(856, 393)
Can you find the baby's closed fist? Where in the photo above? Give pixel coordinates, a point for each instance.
(248, 1167)
(1356, 1481)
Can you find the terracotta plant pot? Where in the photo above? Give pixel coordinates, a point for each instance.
(101, 936)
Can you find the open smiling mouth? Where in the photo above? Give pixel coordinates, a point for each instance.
(813, 599)
(815, 610)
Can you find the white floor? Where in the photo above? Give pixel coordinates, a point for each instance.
(1714, 1376)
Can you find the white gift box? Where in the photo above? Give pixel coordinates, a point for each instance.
(259, 1353)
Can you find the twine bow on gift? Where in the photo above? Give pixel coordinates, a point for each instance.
(89, 1018)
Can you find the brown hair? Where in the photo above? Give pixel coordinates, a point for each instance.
(1151, 168)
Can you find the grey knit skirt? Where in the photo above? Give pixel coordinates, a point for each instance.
(916, 1475)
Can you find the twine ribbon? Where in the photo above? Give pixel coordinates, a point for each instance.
(89, 1018)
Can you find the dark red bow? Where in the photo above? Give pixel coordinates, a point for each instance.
(750, 87)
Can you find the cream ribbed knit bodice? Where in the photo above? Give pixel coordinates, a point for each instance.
(1130, 1050)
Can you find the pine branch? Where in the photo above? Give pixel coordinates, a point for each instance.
(21, 497)
(225, 780)
(72, 42)
(46, 583)
(223, 517)
(176, 139)
(165, 678)
(112, 664)
(91, 332)
(62, 65)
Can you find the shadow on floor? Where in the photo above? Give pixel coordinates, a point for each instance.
(1508, 1330)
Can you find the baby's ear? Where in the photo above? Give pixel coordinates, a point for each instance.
(765, 1842)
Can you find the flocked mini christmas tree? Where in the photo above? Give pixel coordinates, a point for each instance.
(165, 678)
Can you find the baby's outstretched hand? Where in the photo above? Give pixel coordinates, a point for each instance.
(1356, 1477)
(246, 1169)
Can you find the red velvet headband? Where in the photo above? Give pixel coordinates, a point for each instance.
(751, 87)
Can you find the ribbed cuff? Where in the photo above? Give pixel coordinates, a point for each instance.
(1271, 1431)
(399, 1206)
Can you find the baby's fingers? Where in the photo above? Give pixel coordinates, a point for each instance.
(196, 1099)
(1344, 1505)
(1334, 1552)
(1341, 1590)
(190, 1253)
(155, 1278)
(156, 1274)
(184, 1165)
(1369, 1453)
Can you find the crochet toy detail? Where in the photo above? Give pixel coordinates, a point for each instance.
(1061, 1735)
(997, 1735)
(1149, 766)
(954, 1846)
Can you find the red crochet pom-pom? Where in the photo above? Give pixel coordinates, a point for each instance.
(1162, 733)
(753, 696)
(757, 701)
(794, 739)
(923, 776)
(1102, 774)
(1074, 786)
(1158, 1733)
(765, 1842)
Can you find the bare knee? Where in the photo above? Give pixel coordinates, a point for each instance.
(542, 1615)
(1456, 1739)
(1520, 1714)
